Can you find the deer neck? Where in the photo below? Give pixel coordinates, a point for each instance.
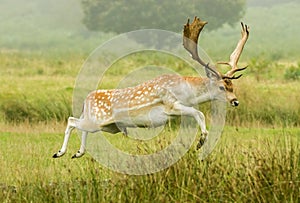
(202, 89)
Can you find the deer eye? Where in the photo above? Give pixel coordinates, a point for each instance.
(222, 88)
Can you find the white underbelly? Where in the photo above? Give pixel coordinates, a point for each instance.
(145, 117)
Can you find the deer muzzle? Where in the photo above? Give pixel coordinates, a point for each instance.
(234, 102)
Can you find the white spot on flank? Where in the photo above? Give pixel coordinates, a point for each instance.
(103, 112)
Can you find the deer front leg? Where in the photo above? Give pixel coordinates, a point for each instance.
(70, 126)
(198, 115)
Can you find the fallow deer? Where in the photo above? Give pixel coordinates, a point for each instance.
(151, 103)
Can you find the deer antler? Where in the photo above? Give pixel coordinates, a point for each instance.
(191, 34)
(235, 56)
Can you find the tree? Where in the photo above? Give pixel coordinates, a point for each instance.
(127, 15)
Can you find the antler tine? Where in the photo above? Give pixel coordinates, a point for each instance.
(191, 34)
(235, 56)
(233, 77)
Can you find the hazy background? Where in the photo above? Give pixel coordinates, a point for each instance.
(56, 27)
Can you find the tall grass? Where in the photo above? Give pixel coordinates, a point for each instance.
(35, 87)
(266, 104)
(254, 165)
(41, 89)
(249, 164)
(19, 108)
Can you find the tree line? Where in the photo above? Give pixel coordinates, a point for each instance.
(127, 15)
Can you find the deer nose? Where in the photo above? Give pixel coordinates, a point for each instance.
(234, 102)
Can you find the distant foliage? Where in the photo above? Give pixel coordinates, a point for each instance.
(293, 72)
(124, 16)
(260, 67)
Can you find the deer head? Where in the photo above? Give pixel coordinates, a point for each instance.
(218, 82)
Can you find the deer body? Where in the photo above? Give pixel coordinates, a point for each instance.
(147, 105)
(152, 103)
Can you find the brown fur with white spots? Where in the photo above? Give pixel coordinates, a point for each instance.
(151, 103)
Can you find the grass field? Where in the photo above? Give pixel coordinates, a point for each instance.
(248, 165)
(256, 160)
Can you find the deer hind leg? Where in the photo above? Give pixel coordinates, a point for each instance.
(81, 151)
(72, 123)
(198, 115)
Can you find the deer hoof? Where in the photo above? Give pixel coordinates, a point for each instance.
(55, 156)
(78, 155)
(58, 154)
(201, 143)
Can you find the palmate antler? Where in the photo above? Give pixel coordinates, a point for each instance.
(191, 34)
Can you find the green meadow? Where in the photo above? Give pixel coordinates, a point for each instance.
(257, 158)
